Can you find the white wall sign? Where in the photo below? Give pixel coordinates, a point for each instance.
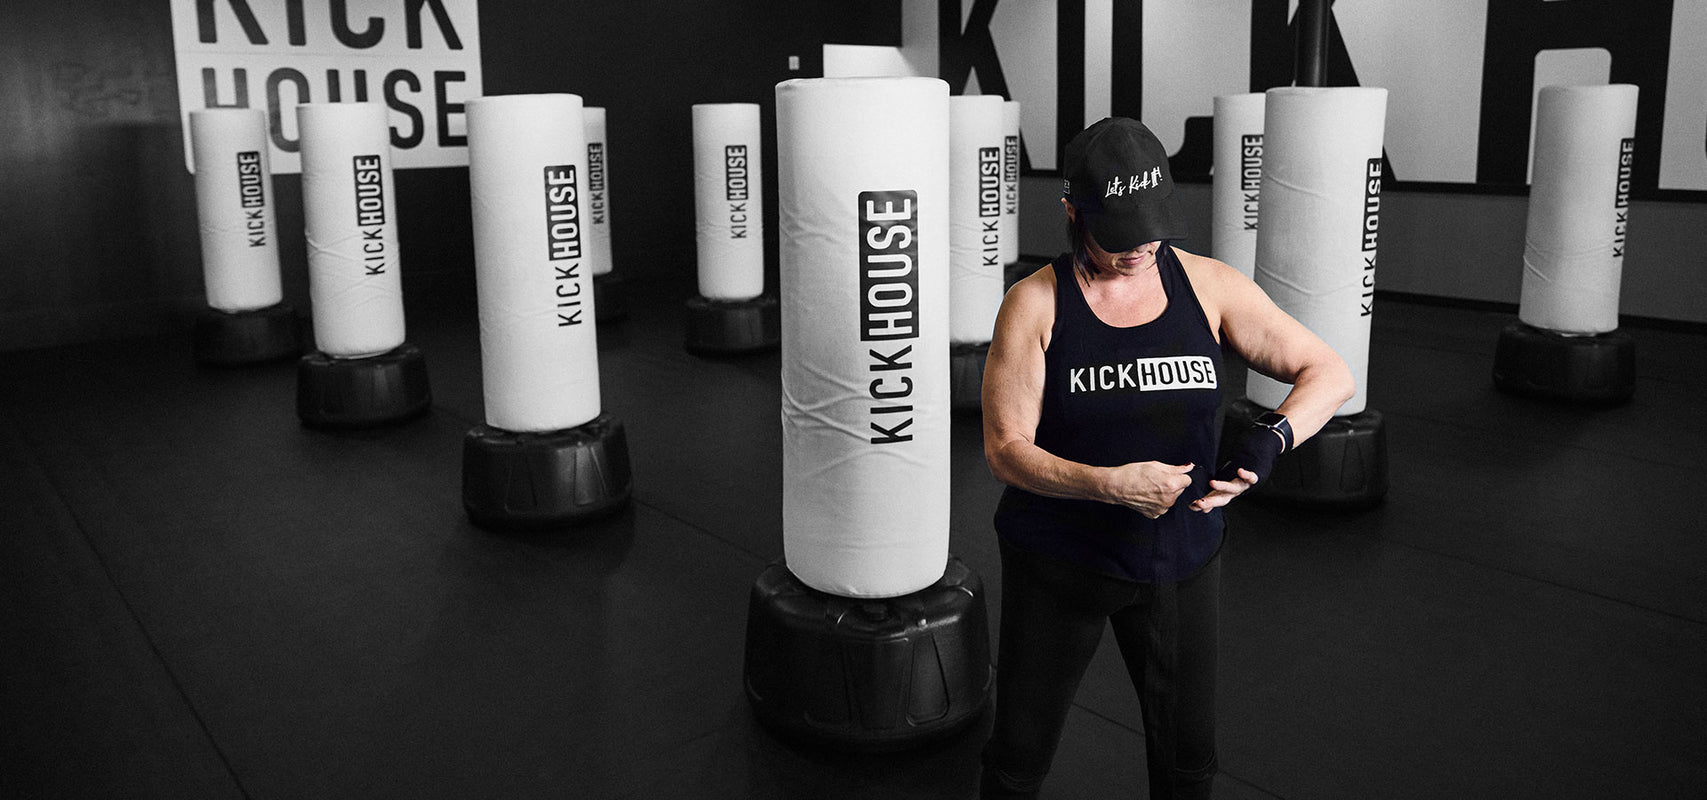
(420, 58)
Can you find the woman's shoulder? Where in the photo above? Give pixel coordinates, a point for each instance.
(1038, 287)
(1218, 286)
(1209, 269)
(1212, 279)
(1029, 306)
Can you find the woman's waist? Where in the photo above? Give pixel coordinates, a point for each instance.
(1019, 508)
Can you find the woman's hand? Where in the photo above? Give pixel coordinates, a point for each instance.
(1149, 487)
(1223, 492)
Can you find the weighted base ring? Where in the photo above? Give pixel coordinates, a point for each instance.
(1343, 466)
(362, 392)
(243, 338)
(1591, 370)
(554, 479)
(868, 675)
(729, 327)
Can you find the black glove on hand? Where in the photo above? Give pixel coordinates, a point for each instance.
(1256, 450)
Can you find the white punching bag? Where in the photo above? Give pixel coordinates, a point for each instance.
(1321, 202)
(864, 252)
(527, 170)
(349, 209)
(598, 231)
(975, 216)
(729, 200)
(1579, 206)
(234, 208)
(1236, 191)
(1010, 181)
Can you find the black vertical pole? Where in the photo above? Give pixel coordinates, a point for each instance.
(1311, 68)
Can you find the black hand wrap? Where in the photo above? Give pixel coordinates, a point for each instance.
(1256, 450)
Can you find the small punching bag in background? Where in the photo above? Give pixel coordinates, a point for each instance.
(975, 159)
(868, 635)
(1315, 257)
(1236, 190)
(363, 373)
(246, 320)
(547, 456)
(731, 314)
(1565, 344)
(607, 285)
(1012, 269)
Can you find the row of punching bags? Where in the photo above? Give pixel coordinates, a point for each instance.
(1308, 162)
(1566, 345)
(868, 633)
(866, 500)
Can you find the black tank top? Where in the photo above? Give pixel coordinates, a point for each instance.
(1113, 396)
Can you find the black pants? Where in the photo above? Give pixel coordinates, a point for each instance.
(1053, 615)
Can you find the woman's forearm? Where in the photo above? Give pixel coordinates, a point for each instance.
(1318, 391)
(1023, 465)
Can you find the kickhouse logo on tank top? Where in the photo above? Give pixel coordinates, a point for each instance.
(1166, 373)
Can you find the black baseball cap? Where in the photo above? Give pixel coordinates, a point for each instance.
(1117, 178)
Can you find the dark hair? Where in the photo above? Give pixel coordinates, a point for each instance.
(1077, 236)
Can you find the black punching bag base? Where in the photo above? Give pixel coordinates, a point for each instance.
(868, 675)
(608, 303)
(966, 376)
(548, 480)
(351, 393)
(733, 327)
(1589, 370)
(243, 338)
(1343, 466)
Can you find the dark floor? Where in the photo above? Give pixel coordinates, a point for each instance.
(204, 599)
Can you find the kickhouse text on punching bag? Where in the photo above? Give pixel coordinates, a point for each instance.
(889, 306)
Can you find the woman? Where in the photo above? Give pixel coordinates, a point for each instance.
(1101, 410)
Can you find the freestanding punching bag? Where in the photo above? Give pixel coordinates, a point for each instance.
(547, 456)
(1011, 267)
(363, 373)
(975, 159)
(869, 635)
(246, 320)
(1316, 256)
(731, 314)
(1565, 344)
(607, 285)
(1236, 191)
